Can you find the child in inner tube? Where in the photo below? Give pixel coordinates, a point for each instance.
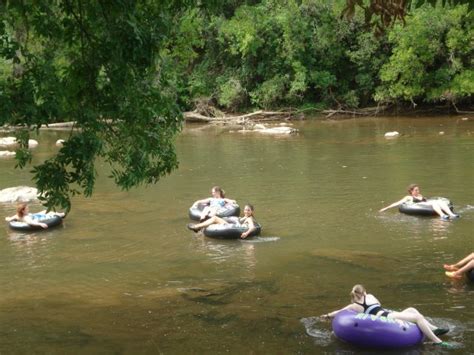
(23, 215)
(214, 203)
(363, 302)
(415, 196)
(248, 220)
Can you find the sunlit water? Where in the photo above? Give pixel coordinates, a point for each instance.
(124, 275)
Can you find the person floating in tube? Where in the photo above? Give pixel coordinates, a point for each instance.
(247, 220)
(363, 302)
(23, 215)
(415, 196)
(213, 204)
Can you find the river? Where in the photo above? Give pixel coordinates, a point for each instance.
(124, 275)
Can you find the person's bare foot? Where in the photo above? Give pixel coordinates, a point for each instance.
(192, 227)
(452, 274)
(450, 267)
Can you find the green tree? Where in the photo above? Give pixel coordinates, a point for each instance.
(98, 63)
(431, 58)
(382, 14)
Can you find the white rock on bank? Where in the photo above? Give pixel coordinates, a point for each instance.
(278, 130)
(59, 142)
(7, 141)
(18, 194)
(11, 142)
(6, 153)
(391, 134)
(32, 143)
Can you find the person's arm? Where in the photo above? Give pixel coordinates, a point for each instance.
(12, 218)
(203, 201)
(32, 222)
(251, 228)
(332, 314)
(228, 200)
(405, 199)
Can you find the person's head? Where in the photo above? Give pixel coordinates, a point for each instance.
(216, 190)
(248, 210)
(357, 292)
(21, 210)
(413, 189)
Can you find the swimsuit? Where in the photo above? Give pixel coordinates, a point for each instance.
(237, 221)
(216, 202)
(373, 309)
(37, 216)
(418, 200)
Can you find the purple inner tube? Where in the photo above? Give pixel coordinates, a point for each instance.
(368, 331)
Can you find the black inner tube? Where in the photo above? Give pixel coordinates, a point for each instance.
(230, 231)
(423, 208)
(50, 221)
(228, 210)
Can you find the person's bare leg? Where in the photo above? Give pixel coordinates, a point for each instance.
(458, 273)
(445, 208)
(460, 263)
(416, 317)
(438, 210)
(212, 220)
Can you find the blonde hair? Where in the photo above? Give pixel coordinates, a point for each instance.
(20, 209)
(357, 292)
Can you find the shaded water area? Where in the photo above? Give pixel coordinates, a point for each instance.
(124, 275)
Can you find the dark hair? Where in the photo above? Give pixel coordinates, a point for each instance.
(411, 187)
(251, 207)
(219, 190)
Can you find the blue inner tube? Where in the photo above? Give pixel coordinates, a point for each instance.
(228, 210)
(230, 231)
(423, 208)
(370, 331)
(50, 220)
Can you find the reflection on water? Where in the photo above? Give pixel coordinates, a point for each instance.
(124, 275)
(227, 251)
(261, 240)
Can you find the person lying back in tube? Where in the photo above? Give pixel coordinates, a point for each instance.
(213, 203)
(247, 220)
(23, 215)
(363, 302)
(415, 196)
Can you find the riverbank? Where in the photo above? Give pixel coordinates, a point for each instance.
(219, 117)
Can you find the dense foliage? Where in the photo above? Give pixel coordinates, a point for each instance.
(97, 63)
(302, 53)
(123, 70)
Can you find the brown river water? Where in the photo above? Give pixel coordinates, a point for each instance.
(123, 275)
